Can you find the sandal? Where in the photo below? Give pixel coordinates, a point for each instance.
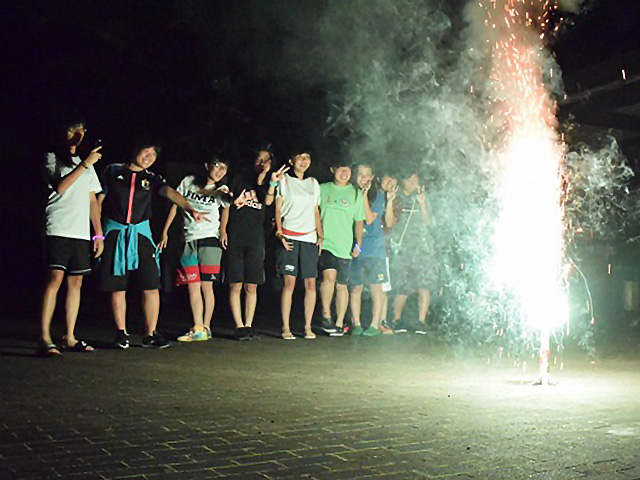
(288, 336)
(80, 346)
(47, 350)
(309, 335)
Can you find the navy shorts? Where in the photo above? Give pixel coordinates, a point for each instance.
(301, 262)
(367, 270)
(72, 255)
(328, 261)
(146, 277)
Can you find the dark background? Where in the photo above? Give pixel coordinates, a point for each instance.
(191, 74)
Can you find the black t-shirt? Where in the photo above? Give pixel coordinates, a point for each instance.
(246, 223)
(129, 193)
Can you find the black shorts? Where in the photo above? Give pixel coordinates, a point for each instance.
(301, 262)
(244, 264)
(367, 270)
(328, 261)
(72, 255)
(146, 277)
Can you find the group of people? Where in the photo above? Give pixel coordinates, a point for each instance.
(373, 232)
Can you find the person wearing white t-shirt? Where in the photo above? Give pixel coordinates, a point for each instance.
(299, 229)
(201, 256)
(71, 206)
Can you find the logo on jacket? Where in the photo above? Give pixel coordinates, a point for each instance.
(145, 184)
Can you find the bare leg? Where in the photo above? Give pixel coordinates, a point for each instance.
(377, 296)
(209, 302)
(49, 303)
(424, 299)
(327, 287)
(309, 302)
(286, 300)
(72, 306)
(197, 307)
(151, 309)
(342, 302)
(355, 301)
(119, 309)
(250, 302)
(235, 289)
(398, 306)
(385, 304)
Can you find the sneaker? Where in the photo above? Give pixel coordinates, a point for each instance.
(371, 332)
(155, 340)
(420, 328)
(253, 335)
(399, 326)
(121, 340)
(208, 333)
(328, 326)
(385, 329)
(337, 332)
(356, 331)
(194, 336)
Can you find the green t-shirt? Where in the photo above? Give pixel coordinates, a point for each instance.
(339, 208)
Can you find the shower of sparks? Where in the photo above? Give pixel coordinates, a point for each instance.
(529, 247)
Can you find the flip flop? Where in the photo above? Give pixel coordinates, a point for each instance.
(288, 336)
(309, 335)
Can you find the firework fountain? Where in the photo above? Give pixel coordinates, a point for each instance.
(528, 255)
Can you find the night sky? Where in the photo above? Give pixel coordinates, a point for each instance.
(195, 75)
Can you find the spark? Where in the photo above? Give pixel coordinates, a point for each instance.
(529, 236)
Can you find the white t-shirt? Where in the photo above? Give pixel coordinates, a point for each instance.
(202, 203)
(68, 215)
(299, 197)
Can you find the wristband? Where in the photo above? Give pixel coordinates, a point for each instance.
(97, 237)
(273, 184)
(357, 247)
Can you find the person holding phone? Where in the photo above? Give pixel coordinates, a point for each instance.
(201, 256)
(299, 230)
(413, 267)
(130, 255)
(71, 206)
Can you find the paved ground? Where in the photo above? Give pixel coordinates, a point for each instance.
(398, 407)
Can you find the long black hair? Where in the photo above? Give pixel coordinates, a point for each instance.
(372, 194)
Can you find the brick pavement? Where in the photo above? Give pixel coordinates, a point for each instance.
(345, 408)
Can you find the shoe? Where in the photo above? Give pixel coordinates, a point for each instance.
(385, 329)
(242, 334)
(121, 340)
(253, 335)
(338, 332)
(194, 336)
(420, 328)
(46, 350)
(328, 326)
(356, 331)
(208, 333)
(288, 336)
(371, 332)
(155, 340)
(399, 326)
(309, 335)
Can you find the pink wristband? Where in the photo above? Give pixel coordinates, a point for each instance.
(97, 237)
